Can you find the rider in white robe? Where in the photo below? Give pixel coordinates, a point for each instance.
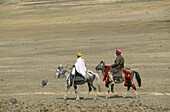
(80, 66)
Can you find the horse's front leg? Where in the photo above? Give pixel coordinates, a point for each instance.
(65, 96)
(115, 93)
(68, 87)
(108, 90)
(76, 92)
(137, 96)
(86, 96)
(112, 83)
(124, 95)
(108, 93)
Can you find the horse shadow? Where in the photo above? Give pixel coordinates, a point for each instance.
(131, 97)
(81, 98)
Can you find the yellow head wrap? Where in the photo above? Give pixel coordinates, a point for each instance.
(79, 54)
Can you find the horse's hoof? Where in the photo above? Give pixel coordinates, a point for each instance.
(96, 98)
(65, 98)
(116, 94)
(124, 96)
(107, 97)
(77, 98)
(85, 98)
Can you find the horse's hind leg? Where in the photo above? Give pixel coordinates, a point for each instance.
(94, 88)
(133, 86)
(89, 90)
(95, 92)
(112, 83)
(76, 92)
(137, 96)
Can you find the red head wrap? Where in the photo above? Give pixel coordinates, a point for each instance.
(118, 51)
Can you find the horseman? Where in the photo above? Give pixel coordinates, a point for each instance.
(116, 68)
(119, 63)
(80, 66)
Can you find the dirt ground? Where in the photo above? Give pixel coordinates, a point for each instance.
(37, 36)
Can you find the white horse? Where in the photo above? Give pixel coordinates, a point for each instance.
(72, 80)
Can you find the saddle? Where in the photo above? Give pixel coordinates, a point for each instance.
(118, 76)
(79, 79)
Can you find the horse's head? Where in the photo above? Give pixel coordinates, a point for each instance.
(59, 72)
(100, 66)
(62, 71)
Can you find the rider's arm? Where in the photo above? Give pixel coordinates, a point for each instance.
(117, 62)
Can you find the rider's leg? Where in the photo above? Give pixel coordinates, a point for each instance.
(123, 77)
(112, 82)
(72, 76)
(111, 78)
(71, 80)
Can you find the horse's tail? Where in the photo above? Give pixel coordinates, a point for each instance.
(138, 78)
(98, 81)
(97, 78)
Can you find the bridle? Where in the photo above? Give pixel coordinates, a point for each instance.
(100, 66)
(61, 70)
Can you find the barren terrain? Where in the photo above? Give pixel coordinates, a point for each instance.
(37, 36)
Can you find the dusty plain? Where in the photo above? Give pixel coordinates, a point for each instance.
(37, 36)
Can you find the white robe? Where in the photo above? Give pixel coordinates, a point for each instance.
(80, 67)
